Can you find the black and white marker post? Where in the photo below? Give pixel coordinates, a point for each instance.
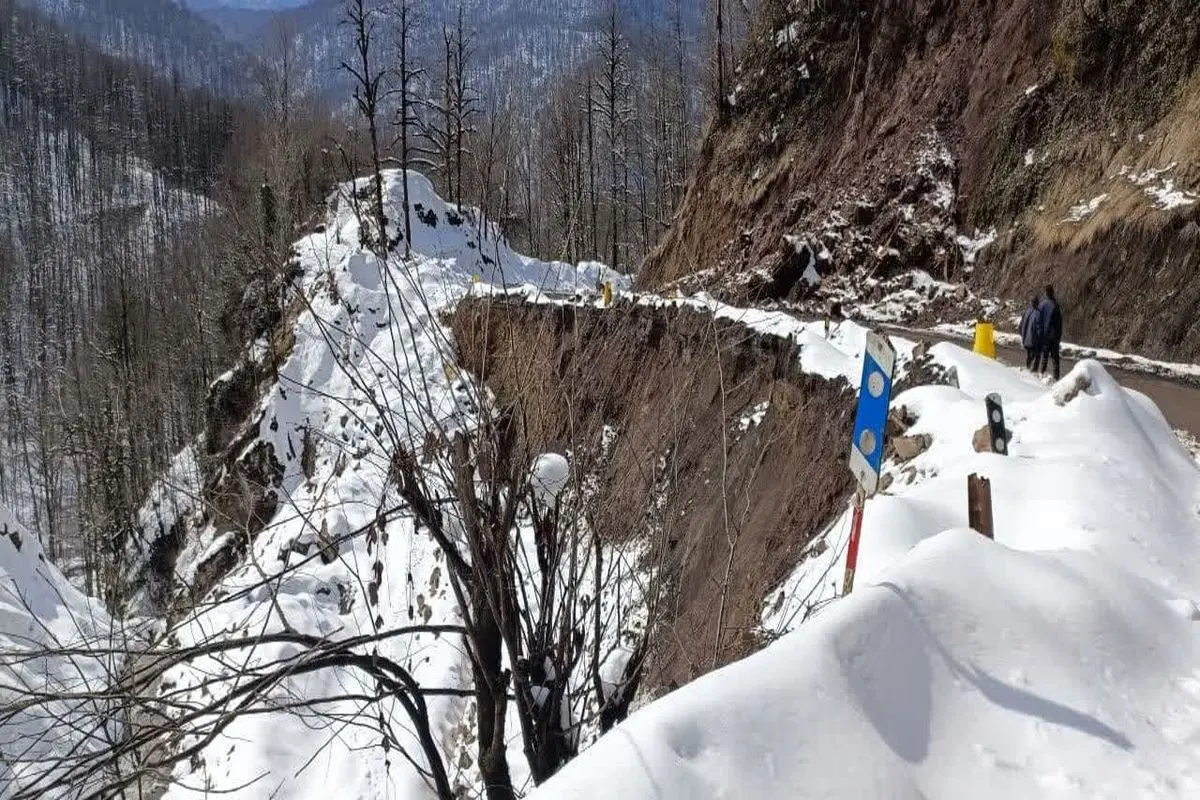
(996, 428)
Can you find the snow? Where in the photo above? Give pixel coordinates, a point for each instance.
(753, 416)
(1085, 209)
(1161, 190)
(971, 246)
(1166, 197)
(1061, 660)
(801, 246)
(549, 477)
(788, 35)
(936, 163)
(42, 619)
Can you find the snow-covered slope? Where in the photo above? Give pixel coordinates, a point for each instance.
(369, 369)
(1061, 660)
(46, 627)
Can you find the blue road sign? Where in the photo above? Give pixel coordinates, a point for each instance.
(870, 419)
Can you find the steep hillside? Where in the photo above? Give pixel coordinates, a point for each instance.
(104, 168)
(691, 485)
(514, 43)
(52, 689)
(162, 34)
(1008, 144)
(286, 518)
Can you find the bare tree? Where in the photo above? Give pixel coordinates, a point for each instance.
(360, 16)
(721, 103)
(615, 114)
(408, 75)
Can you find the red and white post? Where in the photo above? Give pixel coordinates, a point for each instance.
(855, 536)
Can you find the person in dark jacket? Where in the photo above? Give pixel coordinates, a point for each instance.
(1029, 335)
(1050, 327)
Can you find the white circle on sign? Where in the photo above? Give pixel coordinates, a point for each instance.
(996, 416)
(1001, 445)
(866, 442)
(875, 384)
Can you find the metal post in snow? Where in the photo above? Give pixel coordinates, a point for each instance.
(855, 536)
(870, 431)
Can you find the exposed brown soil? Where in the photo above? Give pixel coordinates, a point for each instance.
(674, 383)
(1039, 105)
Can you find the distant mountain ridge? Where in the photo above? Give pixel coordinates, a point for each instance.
(521, 41)
(164, 35)
(212, 43)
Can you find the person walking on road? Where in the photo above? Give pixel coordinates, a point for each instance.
(1050, 327)
(1029, 335)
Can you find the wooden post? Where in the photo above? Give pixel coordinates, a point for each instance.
(979, 505)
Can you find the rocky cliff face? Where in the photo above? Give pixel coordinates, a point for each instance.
(1005, 144)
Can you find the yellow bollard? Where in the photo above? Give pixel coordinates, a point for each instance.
(608, 293)
(985, 339)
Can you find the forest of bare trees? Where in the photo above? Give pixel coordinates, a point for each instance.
(147, 223)
(132, 224)
(592, 168)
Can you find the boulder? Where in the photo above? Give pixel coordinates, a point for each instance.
(906, 448)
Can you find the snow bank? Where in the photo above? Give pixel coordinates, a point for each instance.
(42, 619)
(1061, 660)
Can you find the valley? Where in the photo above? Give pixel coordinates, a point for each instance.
(470, 400)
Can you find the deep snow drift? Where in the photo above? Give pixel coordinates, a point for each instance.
(1061, 660)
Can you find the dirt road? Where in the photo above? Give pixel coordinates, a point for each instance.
(1178, 401)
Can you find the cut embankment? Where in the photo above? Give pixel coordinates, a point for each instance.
(726, 455)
